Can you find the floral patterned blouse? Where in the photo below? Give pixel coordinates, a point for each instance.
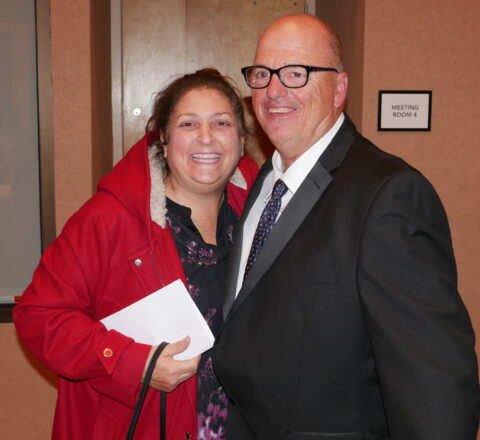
(205, 265)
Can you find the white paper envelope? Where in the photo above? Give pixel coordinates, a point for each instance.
(169, 314)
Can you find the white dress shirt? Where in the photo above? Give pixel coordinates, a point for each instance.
(293, 178)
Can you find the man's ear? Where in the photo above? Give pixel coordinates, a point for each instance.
(341, 86)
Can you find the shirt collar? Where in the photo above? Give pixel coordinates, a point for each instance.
(296, 173)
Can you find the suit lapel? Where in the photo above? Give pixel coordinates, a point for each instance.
(292, 217)
(288, 223)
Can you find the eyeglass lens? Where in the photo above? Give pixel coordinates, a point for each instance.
(290, 76)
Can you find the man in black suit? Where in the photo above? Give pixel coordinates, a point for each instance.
(348, 324)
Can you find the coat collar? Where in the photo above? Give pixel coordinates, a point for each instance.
(158, 210)
(137, 181)
(338, 148)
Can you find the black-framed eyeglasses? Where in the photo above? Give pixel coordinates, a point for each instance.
(292, 76)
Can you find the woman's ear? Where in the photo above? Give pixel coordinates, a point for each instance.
(164, 143)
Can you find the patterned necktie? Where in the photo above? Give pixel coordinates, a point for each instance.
(266, 222)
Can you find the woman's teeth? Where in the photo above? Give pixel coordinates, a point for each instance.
(205, 157)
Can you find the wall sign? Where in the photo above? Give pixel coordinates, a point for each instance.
(407, 110)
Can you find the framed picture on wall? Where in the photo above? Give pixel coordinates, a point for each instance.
(404, 110)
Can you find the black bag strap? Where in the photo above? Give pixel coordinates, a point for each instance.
(163, 415)
(143, 394)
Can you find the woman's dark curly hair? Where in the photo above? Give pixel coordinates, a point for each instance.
(167, 99)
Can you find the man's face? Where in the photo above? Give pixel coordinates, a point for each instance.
(294, 119)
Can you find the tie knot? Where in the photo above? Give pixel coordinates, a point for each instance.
(279, 189)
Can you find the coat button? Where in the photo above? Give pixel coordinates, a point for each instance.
(107, 352)
(137, 262)
(188, 436)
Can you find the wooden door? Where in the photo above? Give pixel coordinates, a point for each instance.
(164, 38)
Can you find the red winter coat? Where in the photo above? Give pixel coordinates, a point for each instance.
(112, 252)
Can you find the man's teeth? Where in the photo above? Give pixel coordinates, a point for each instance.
(280, 110)
(206, 157)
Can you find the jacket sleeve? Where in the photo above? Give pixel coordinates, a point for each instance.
(421, 335)
(55, 318)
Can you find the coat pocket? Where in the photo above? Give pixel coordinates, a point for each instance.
(145, 270)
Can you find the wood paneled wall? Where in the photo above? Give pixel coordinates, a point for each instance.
(157, 47)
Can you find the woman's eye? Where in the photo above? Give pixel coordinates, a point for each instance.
(186, 124)
(223, 123)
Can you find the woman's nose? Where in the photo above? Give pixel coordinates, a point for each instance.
(205, 134)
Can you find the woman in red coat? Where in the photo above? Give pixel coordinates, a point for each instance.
(165, 212)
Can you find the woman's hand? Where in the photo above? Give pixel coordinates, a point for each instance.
(168, 372)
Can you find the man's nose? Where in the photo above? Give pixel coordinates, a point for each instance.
(276, 89)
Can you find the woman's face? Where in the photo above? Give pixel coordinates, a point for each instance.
(204, 144)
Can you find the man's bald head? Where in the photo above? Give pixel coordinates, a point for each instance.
(305, 27)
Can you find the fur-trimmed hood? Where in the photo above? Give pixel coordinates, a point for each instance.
(137, 181)
(158, 208)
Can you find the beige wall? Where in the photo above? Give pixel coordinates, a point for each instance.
(80, 34)
(27, 389)
(72, 106)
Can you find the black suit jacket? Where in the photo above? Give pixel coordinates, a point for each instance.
(349, 325)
